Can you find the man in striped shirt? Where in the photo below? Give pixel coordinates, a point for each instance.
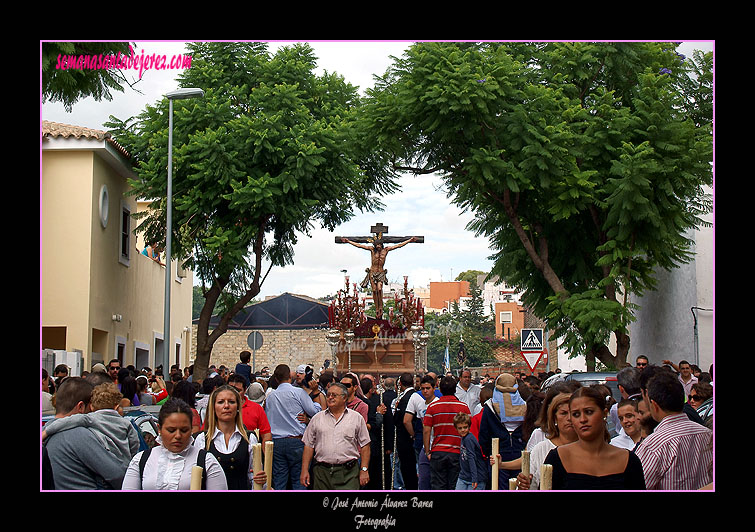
(443, 449)
(678, 455)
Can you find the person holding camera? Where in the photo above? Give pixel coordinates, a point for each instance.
(302, 376)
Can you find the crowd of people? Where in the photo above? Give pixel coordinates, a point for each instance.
(343, 431)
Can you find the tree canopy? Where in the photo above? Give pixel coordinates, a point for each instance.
(585, 165)
(68, 83)
(269, 153)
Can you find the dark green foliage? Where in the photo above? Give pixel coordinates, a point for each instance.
(452, 327)
(68, 85)
(584, 164)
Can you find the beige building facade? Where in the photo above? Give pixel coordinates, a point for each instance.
(101, 299)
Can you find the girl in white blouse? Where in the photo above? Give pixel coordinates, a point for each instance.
(170, 464)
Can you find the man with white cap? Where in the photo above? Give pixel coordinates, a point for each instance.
(301, 371)
(253, 412)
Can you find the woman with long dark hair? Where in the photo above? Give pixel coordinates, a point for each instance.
(560, 432)
(168, 466)
(591, 462)
(130, 391)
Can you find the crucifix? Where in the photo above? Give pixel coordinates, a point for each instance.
(376, 273)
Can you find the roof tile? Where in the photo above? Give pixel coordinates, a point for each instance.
(56, 129)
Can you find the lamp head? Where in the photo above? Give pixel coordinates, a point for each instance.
(183, 94)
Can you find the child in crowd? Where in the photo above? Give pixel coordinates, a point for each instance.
(473, 466)
(106, 420)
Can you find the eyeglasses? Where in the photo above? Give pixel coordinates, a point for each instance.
(641, 364)
(348, 384)
(694, 397)
(334, 395)
(112, 368)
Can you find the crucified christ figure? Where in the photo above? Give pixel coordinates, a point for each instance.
(376, 273)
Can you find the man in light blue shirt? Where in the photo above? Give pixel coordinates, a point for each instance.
(283, 407)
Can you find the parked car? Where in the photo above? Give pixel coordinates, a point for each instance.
(589, 378)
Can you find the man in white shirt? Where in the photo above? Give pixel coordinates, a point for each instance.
(685, 375)
(467, 392)
(416, 409)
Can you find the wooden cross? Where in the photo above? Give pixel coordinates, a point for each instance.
(380, 231)
(376, 273)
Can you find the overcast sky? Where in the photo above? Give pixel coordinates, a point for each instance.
(420, 208)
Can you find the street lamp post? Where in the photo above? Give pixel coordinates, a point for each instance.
(180, 94)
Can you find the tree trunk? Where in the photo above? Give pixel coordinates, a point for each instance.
(602, 353)
(205, 339)
(590, 359)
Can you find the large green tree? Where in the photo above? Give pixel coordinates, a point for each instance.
(268, 154)
(585, 165)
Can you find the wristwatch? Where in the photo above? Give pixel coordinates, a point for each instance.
(364, 469)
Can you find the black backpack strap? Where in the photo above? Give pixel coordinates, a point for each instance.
(142, 463)
(201, 458)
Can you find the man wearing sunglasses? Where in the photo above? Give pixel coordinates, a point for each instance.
(338, 440)
(113, 367)
(352, 401)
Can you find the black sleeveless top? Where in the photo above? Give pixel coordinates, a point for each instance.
(632, 478)
(235, 465)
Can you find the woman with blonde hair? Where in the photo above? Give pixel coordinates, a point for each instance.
(560, 432)
(226, 438)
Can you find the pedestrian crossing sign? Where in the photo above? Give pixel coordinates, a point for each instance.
(532, 340)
